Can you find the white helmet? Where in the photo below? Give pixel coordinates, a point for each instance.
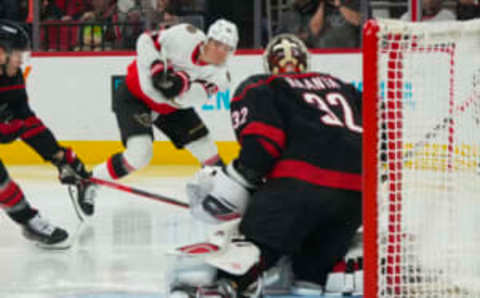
(225, 32)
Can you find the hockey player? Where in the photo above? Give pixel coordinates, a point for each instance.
(174, 69)
(17, 120)
(300, 136)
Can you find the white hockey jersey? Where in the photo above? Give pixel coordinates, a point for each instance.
(181, 45)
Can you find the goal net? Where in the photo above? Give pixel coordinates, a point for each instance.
(421, 159)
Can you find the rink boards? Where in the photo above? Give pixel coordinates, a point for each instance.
(119, 295)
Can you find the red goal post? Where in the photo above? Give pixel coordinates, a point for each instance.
(421, 153)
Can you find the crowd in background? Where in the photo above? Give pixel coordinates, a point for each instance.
(99, 25)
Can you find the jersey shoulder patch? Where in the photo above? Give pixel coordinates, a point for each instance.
(191, 29)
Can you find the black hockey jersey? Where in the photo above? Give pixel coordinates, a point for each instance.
(301, 126)
(14, 105)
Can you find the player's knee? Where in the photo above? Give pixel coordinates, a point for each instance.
(139, 151)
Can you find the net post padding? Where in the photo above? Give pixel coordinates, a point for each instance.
(369, 160)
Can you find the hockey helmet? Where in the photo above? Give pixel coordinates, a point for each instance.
(286, 53)
(225, 32)
(13, 36)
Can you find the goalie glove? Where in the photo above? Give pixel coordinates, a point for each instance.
(171, 83)
(71, 169)
(218, 195)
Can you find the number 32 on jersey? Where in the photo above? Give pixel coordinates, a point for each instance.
(330, 119)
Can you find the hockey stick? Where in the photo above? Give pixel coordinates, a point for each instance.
(140, 192)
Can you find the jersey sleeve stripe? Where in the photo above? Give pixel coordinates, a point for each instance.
(267, 131)
(14, 87)
(33, 132)
(33, 120)
(269, 148)
(133, 85)
(186, 81)
(307, 172)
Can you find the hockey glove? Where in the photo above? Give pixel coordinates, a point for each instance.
(11, 130)
(218, 195)
(71, 169)
(171, 83)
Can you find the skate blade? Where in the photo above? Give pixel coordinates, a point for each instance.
(65, 244)
(72, 190)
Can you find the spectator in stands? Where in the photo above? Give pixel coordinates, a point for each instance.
(102, 33)
(325, 23)
(23, 12)
(50, 11)
(432, 11)
(130, 14)
(10, 10)
(468, 9)
(164, 15)
(74, 9)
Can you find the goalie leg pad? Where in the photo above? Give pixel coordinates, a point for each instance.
(182, 127)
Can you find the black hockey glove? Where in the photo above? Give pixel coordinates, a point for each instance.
(11, 130)
(171, 83)
(71, 169)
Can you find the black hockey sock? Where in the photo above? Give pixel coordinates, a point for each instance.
(117, 167)
(23, 215)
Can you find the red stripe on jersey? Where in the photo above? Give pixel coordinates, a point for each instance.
(155, 36)
(33, 132)
(14, 87)
(253, 85)
(133, 84)
(110, 169)
(268, 131)
(273, 77)
(186, 81)
(307, 172)
(272, 150)
(196, 56)
(31, 121)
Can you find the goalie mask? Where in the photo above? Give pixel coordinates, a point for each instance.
(286, 53)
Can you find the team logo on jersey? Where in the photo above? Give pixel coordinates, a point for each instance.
(144, 119)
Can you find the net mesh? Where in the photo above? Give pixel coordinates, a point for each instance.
(428, 153)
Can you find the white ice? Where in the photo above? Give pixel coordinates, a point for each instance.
(119, 253)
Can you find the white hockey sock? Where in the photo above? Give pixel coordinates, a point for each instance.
(205, 150)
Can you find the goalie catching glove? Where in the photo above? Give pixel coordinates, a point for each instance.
(171, 83)
(218, 194)
(71, 169)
